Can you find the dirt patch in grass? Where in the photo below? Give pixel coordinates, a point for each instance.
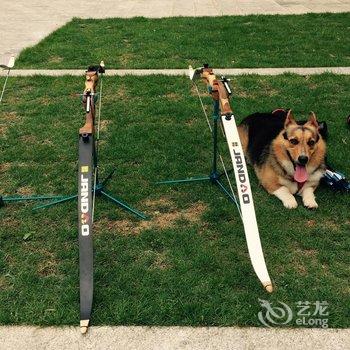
(300, 268)
(4, 167)
(330, 225)
(3, 129)
(120, 94)
(25, 190)
(104, 124)
(125, 58)
(191, 122)
(263, 88)
(201, 93)
(309, 252)
(160, 261)
(10, 117)
(172, 96)
(47, 142)
(47, 267)
(303, 258)
(268, 89)
(10, 222)
(312, 253)
(4, 283)
(45, 100)
(160, 202)
(310, 223)
(311, 85)
(55, 59)
(47, 264)
(28, 138)
(7, 165)
(240, 92)
(159, 220)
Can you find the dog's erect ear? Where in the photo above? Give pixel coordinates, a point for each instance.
(289, 119)
(313, 120)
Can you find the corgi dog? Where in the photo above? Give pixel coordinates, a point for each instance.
(288, 156)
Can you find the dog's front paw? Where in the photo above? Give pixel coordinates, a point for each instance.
(310, 203)
(290, 203)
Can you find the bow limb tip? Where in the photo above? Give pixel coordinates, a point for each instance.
(84, 324)
(11, 62)
(190, 72)
(268, 287)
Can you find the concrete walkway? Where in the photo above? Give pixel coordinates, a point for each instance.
(138, 72)
(24, 23)
(172, 338)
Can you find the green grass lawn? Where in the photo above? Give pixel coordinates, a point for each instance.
(189, 264)
(237, 41)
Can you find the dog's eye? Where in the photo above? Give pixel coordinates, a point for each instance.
(311, 143)
(294, 141)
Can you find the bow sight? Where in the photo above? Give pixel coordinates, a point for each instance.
(226, 81)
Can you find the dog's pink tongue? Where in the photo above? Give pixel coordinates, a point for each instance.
(300, 174)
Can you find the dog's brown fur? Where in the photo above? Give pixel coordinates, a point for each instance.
(276, 171)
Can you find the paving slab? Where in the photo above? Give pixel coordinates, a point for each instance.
(172, 338)
(24, 23)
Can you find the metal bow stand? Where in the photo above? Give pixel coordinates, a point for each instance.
(214, 176)
(99, 187)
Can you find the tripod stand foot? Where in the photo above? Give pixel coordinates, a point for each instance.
(5, 199)
(58, 201)
(190, 179)
(124, 205)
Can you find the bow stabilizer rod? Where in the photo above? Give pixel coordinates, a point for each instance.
(220, 91)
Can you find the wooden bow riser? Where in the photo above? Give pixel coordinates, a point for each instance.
(91, 80)
(217, 90)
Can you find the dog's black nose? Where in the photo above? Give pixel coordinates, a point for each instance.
(303, 160)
